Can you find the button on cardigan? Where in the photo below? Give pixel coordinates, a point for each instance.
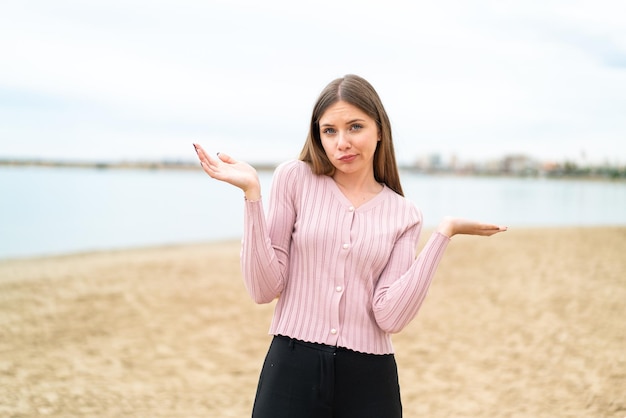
(343, 276)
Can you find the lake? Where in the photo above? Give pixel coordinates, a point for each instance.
(48, 211)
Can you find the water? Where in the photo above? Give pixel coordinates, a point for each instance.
(46, 211)
(529, 202)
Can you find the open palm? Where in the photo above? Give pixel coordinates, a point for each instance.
(227, 169)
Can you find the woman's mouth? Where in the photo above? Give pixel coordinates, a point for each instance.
(347, 158)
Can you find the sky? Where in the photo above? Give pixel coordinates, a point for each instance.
(144, 79)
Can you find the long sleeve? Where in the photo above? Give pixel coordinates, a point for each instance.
(265, 244)
(404, 283)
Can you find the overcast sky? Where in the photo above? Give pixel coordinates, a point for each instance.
(143, 79)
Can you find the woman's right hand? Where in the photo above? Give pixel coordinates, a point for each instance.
(229, 170)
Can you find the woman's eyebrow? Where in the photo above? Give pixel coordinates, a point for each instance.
(347, 123)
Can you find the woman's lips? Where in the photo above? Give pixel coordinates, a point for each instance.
(347, 158)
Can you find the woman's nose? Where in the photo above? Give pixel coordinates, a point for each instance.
(343, 142)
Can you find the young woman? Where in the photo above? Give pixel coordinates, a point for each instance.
(338, 252)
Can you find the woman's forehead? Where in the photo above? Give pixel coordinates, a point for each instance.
(343, 111)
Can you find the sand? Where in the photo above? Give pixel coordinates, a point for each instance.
(530, 323)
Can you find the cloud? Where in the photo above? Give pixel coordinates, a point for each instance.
(473, 78)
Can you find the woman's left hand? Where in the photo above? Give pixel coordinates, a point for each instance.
(450, 226)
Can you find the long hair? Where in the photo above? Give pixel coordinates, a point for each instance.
(358, 92)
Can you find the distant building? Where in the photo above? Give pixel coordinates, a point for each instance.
(519, 164)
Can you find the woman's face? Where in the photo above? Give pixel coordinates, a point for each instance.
(349, 137)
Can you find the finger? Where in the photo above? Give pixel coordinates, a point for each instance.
(199, 149)
(491, 226)
(202, 155)
(205, 158)
(226, 158)
(496, 229)
(208, 163)
(477, 228)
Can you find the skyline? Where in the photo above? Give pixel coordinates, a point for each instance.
(138, 80)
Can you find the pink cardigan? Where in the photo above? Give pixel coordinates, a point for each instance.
(343, 276)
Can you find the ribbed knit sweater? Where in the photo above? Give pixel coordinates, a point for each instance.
(343, 276)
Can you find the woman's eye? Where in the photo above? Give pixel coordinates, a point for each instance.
(356, 127)
(328, 131)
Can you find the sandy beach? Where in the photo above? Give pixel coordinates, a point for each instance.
(530, 323)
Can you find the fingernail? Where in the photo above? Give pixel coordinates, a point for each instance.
(218, 153)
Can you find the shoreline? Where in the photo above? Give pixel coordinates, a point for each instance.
(528, 323)
(607, 174)
(427, 231)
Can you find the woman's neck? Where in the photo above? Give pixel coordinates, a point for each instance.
(357, 188)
